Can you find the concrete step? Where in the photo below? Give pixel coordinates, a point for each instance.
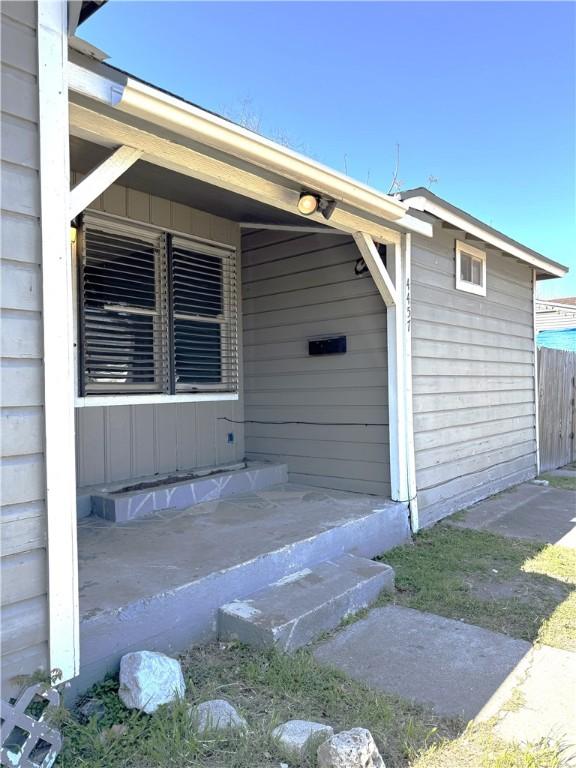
(121, 505)
(299, 608)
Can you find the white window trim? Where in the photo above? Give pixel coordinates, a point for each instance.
(123, 225)
(154, 399)
(464, 285)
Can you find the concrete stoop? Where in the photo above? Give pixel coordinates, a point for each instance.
(299, 608)
(303, 553)
(121, 505)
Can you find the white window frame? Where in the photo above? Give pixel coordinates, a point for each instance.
(476, 253)
(125, 225)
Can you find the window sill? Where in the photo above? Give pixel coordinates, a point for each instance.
(478, 290)
(154, 399)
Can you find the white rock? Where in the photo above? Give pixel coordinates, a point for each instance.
(216, 714)
(350, 749)
(296, 737)
(149, 679)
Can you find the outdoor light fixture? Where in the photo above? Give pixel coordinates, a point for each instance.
(326, 207)
(308, 204)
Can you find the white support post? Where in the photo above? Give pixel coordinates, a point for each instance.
(57, 316)
(405, 297)
(101, 178)
(396, 380)
(395, 299)
(536, 385)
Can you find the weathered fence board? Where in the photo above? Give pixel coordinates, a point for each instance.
(557, 407)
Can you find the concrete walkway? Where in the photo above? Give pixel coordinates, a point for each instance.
(466, 671)
(448, 665)
(528, 511)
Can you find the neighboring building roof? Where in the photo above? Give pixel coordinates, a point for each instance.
(555, 314)
(422, 199)
(569, 300)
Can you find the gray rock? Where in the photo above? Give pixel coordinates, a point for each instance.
(296, 737)
(350, 749)
(149, 679)
(91, 708)
(216, 715)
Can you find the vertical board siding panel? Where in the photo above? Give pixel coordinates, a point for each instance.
(114, 200)
(128, 442)
(206, 431)
(138, 204)
(200, 224)
(166, 420)
(187, 437)
(143, 441)
(181, 218)
(91, 457)
(160, 212)
(118, 431)
(451, 475)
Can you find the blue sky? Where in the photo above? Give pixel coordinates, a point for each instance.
(481, 96)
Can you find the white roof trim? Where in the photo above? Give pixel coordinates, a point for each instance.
(464, 223)
(155, 106)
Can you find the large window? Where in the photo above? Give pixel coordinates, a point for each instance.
(157, 312)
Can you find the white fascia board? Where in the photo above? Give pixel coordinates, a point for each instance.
(421, 203)
(136, 98)
(97, 127)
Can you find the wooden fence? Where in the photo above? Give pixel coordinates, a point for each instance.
(557, 407)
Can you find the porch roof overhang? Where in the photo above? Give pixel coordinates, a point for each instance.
(112, 109)
(423, 200)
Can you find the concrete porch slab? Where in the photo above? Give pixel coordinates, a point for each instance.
(453, 667)
(157, 583)
(528, 511)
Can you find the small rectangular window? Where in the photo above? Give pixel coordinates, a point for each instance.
(470, 269)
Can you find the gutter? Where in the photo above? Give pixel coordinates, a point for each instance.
(153, 105)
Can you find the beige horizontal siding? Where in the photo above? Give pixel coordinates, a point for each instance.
(473, 366)
(298, 287)
(23, 568)
(130, 441)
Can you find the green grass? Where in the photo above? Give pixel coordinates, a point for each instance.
(478, 747)
(566, 483)
(267, 688)
(449, 571)
(507, 585)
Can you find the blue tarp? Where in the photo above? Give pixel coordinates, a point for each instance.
(560, 338)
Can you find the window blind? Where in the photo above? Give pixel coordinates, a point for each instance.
(158, 313)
